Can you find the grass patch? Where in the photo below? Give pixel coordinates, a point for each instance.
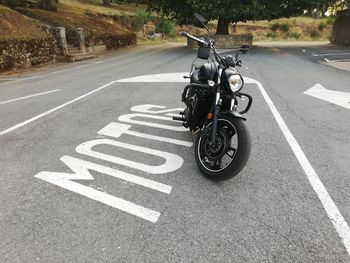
(95, 6)
(14, 25)
(296, 28)
(73, 18)
(294, 35)
(315, 34)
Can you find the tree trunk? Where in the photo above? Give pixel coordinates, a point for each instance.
(222, 28)
(50, 5)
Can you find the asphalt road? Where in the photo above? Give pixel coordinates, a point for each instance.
(144, 199)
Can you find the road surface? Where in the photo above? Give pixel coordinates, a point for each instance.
(93, 169)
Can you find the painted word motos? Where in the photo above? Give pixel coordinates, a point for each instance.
(149, 114)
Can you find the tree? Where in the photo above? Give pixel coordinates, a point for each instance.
(324, 5)
(227, 11)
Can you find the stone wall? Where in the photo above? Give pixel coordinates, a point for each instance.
(113, 41)
(16, 54)
(341, 28)
(25, 53)
(227, 41)
(96, 49)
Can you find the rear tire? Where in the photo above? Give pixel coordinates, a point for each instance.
(240, 154)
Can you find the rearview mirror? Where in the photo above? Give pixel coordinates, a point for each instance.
(199, 21)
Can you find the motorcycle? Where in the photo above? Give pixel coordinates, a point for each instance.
(222, 146)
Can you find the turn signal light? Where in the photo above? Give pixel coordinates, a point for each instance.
(210, 116)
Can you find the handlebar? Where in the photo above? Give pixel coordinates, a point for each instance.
(199, 40)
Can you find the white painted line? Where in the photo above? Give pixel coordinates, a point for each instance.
(166, 77)
(34, 77)
(339, 60)
(146, 108)
(59, 71)
(115, 130)
(339, 98)
(332, 210)
(29, 96)
(81, 172)
(171, 164)
(129, 118)
(331, 54)
(332, 50)
(53, 110)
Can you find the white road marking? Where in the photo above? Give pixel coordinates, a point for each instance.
(172, 161)
(330, 207)
(29, 78)
(331, 54)
(128, 118)
(336, 97)
(53, 110)
(332, 50)
(29, 96)
(117, 129)
(59, 71)
(166, 77)
(146, 108)
(81, 172)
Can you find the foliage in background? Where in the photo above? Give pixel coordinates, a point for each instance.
(296, 28)
(231, 11)
(139, 20)
(165, 26)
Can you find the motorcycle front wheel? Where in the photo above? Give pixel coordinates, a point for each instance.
(227, 157)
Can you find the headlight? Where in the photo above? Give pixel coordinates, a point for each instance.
(236, 82)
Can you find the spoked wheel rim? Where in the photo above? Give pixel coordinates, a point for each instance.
(218, 158)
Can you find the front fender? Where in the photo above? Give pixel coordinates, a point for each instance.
(235, 114)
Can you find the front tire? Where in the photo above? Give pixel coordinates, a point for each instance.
(233, 137)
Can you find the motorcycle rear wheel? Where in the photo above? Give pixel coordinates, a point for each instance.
(231, 152)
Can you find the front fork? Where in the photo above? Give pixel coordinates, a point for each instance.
(217, 107)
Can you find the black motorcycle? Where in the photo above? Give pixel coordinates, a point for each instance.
(222, 146)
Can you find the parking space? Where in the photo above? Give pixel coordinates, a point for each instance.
(328, 54)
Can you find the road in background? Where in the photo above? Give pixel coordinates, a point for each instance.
(160, 208)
